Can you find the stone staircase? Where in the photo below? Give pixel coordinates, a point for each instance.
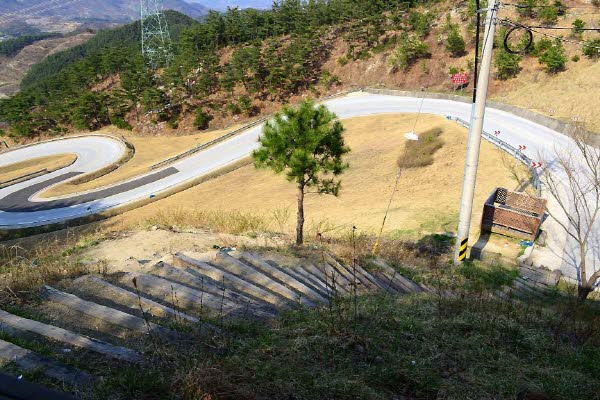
(100, 321)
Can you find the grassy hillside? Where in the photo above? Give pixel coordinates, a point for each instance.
(427, 345)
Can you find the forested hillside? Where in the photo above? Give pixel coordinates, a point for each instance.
(11, 47)
(245, 62)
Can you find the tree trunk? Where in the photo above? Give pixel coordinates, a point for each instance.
(300, 223)
(582, 293)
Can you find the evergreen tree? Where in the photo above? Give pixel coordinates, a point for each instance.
(409, 50)
(455, 43)
(507, 65)
(591, 48)
(90, 111)
(578, 26)
(554, 57)
(307, 144)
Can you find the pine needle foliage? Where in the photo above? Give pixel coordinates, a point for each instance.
(307, 144)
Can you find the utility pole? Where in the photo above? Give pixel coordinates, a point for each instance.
(475, 129)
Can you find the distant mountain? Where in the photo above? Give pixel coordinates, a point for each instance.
(91, 10)
(221, 5)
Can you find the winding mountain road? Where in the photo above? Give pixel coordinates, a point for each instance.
(21, 205)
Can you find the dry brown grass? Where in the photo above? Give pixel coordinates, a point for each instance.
(426, 201)
(24, 269)
(51, 163)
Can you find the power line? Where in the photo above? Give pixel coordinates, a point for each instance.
(507, 22)
(42, 4)
(548, 6)
(17, 15)
(562, 28)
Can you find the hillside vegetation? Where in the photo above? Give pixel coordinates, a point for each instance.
(243, 63)
(12, 46)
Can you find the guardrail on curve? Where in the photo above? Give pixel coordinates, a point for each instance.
(513, 151)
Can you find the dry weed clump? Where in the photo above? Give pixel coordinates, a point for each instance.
(234, 222)
(24, 270)
(420, 153)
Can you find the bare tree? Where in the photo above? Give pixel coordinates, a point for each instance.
(573, 180)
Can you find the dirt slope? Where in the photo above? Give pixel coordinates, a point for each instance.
(13, 70)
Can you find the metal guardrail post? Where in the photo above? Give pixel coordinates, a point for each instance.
(514, 152)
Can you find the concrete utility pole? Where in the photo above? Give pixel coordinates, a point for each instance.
(475, 128)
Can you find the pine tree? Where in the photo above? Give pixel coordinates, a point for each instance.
(455, 43)
(507, 64)
(554, 58)
(307, 144)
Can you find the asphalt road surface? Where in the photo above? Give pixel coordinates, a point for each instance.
(21, 206)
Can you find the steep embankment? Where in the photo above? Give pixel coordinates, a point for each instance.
(14, 69)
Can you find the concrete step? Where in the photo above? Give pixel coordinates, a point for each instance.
(106, 314)
(342, 276)
(280, 276)
(409, 285)
(97, 287)
(67, 337)
(28, 360)
(193, 279)
(188, 298)
(390, 284)
(318, 277)
(255, 276)
(524, 288)
(540, 275)
(230, 281)
(367, 282)
(304, 277)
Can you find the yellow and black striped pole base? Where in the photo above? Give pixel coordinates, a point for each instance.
(462, 250)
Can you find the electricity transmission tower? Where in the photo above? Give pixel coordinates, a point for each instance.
(156, 41)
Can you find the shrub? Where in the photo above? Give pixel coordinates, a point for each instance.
(528, 8)
(455, 43)
(540, 47)
(245, 104)
(173, 122)
(554, 58)
(120, 123)
(578, 26)
(410, 50)
(596, 3)
(591, 48)
(548, 15)
(560, 7)
(420, 153)
(202, 119)
(575, 58)
(420, 23)
(343, 60)
(507, 65)
(233, 108)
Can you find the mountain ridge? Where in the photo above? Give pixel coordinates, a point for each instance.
(111, 10)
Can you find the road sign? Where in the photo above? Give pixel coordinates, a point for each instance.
(460, 78)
